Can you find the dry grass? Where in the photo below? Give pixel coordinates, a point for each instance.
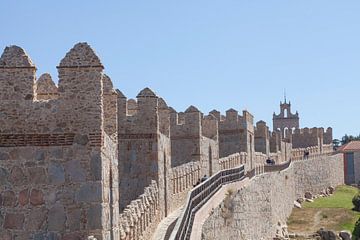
(309, 220)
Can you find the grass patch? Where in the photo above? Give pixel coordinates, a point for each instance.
(340, 199)
(333, 213)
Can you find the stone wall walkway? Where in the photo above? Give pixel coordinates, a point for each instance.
(166, 226)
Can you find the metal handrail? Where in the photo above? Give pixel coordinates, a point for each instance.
(199, 196)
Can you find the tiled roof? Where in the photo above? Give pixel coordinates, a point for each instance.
(353, 146)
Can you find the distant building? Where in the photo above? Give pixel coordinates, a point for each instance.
(285, 121)
(351, 152)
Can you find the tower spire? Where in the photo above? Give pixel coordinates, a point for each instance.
(285, 94)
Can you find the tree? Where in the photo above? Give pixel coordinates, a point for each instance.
(336, 142)
(348, 138)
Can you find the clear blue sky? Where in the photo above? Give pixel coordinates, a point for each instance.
(211, 54)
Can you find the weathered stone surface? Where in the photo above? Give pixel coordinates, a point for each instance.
(46, 236)
(56, 153)
(74, 219)
(89, 192)
(17, 176)
(308, 195)
(56, 218)
(73, 236)
(14, 221)
(8, 199)
(297, 204)
(36, 197)
(24, 197)
(345, 235)
(327, 235)
(3, 176)
(75, 171)
(36, 219)
(56, 174)
(4, 156)
(37, 175)
(40, 155)
(95, 166)
(5, 235)
(94, 217)
(81, 139)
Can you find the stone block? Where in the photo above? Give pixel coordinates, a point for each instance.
(56, 218)
(25, 153)
(94, 216)
(40, 155)
(46, 236)
(17, 176)
(57, 153)
(73, 236)
(89, 192)
(5, 235)
(23, 197)
(36, 219)
(75, 171)
(74, 219)
(95, 166)
(81, 139)
(14, 221)
(37, 175)
(8, 199)
(4, 156)
(36, 197)
(3, 176)
(56, 174)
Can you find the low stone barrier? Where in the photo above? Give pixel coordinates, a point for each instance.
(141, 216)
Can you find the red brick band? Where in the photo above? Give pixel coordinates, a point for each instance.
(18, 140)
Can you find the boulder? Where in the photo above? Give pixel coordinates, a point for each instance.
(331, 189)
(309, 200)
(327, 234)
(297, 204)
(300, 200)
(308, 195)
(345, 235)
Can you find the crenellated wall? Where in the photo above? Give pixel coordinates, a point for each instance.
(75, 156)
(56, 157)
(144, 146)
(236, 133)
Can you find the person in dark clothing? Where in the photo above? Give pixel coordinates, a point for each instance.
(204, 178)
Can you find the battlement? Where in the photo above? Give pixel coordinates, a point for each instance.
(45, 88)
(79, 89)
(262, 138)
(196, 133)
(64, 135)
(307, 137)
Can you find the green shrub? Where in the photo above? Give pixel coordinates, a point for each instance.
(356, 202)
(356, 232)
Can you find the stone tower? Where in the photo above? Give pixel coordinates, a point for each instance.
(286, 120)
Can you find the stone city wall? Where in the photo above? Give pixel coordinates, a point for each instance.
(253, 212)
(316, 174)
(267, 201)
(55, 155)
